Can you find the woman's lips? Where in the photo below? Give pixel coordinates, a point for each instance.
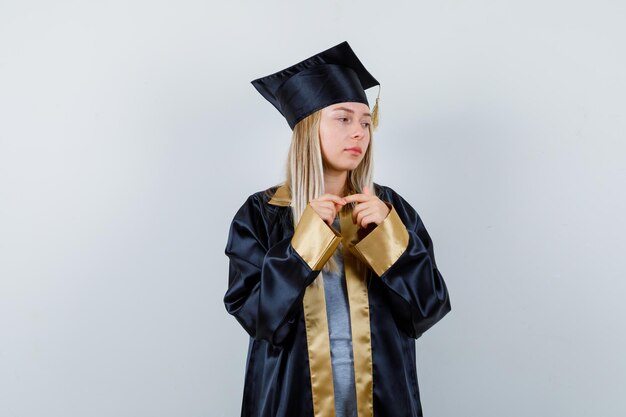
(354, 151)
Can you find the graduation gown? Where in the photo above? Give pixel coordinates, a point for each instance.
(395, 294)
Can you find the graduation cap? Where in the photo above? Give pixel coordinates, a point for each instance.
(333, 76)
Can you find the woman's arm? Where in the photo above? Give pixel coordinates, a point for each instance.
(400, 251)
(266, 284)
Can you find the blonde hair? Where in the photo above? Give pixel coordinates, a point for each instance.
(305, 171)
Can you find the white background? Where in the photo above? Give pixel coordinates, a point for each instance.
(130, 134)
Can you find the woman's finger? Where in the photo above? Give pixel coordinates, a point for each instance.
(358, 209)
(332, 197)
(359, 198)
(325, 209)
(364, 214)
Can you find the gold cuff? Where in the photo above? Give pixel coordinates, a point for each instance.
(385, 244)
(314, 240)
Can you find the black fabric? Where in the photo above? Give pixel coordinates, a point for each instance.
(267, 280)
(333, 76)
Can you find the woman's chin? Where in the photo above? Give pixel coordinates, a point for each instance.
(346, 166)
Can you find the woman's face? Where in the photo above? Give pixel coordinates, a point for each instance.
(344, 135)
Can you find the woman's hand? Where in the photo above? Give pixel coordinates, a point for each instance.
(327, 206)
(369, 208)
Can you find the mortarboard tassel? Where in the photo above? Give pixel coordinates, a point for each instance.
(375, 111)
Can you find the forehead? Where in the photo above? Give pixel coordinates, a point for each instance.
(350, 107)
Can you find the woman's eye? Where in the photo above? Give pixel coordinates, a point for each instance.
(365, 124)
(343, 119)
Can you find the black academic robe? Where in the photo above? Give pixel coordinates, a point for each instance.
(396, 293)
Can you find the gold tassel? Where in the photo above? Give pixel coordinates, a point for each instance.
(375, 112)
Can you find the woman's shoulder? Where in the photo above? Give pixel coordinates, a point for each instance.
(267, 201)
(385, 192)
(256, 209)
(278, 195)
(264, 195)
(401, 205)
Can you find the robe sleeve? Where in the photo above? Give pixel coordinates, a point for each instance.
(400, 251)
(267, 283)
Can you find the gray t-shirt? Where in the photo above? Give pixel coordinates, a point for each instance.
(338, 312)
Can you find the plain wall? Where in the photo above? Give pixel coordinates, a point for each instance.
(130, 134)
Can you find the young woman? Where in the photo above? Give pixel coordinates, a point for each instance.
(332, 275)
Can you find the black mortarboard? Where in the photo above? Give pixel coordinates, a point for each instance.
(333, 76)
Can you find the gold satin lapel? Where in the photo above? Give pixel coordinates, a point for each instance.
(318, 345)
(359, 317)
(281, 197)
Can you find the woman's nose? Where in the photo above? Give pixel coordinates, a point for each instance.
(359, 132)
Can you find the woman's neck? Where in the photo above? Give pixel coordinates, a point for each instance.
(335, 183)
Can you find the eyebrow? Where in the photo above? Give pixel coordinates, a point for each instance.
(350, 111)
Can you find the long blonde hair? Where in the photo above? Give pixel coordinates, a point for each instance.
(305, 171)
